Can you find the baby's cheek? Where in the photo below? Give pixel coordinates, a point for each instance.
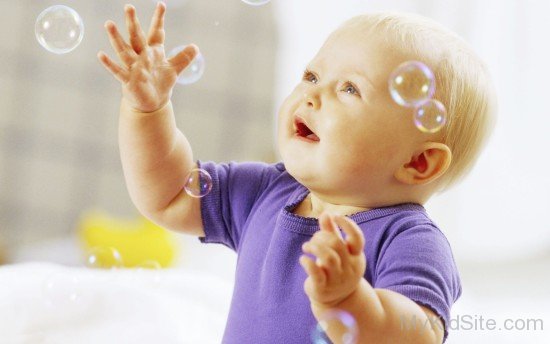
(287, 109)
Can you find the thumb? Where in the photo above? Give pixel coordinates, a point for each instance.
(182, 59)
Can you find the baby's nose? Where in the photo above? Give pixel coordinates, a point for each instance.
(311, 100)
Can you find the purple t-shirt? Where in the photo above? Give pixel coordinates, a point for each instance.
(249, 210)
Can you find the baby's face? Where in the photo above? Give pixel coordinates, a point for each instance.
(339, 132)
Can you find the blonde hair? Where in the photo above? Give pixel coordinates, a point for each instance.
(463, 83)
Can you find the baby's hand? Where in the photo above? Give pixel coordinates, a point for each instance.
(340, 263)
(146, 75)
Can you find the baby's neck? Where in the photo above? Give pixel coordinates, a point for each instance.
(312, 206)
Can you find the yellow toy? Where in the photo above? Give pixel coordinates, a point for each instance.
(139, 242)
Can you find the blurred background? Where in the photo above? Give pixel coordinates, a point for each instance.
(58, 133)
(59, 156)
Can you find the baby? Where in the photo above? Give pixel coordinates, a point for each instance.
(349, 192)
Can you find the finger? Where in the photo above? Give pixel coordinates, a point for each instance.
(326, 257)
(182, 59)
(125, 52)
(315, 272)
(156, 30)
(118, 72)
(137, 37)
(326, 223)
(354, 235)
(334, 241)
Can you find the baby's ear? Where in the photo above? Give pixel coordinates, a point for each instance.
(429, 164)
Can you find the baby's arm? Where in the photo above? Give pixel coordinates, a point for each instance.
(335, 281)
(156, 156)
(384, 316)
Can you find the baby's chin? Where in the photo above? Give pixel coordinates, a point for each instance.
(304, 175)
(308, 170)
(293, 168)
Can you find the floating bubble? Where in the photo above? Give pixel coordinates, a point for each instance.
(61, 290)
(339, 321)
(103, 258)
(59, 29)
(430, 116)
(256, 2)
(193, 72)
(199, 183)
(411, 83)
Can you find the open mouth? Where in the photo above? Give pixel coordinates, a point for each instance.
(303, 131)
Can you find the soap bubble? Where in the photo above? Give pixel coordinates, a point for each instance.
(103, 258)
(411, 83)
(199, 183)
(430, 116)
(337, 320)
(59, 29)
(256, 2)
(193, 72)
(61, 290)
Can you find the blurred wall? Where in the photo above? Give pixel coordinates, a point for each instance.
(58, 113)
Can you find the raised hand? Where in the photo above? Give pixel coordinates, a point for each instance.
(146, 75)
(340, 263)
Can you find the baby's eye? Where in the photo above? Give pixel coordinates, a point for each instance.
(310, 77)
(350, 89)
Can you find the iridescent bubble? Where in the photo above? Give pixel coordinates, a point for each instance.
(193, 72)
(59, 29)
(430, 116)
(103, 258)
(411, 83)
(199, 183)
(61, 290)
(339, 321)
(256, 2)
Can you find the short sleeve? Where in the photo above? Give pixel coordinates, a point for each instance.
(418, 263)
(235, 188)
